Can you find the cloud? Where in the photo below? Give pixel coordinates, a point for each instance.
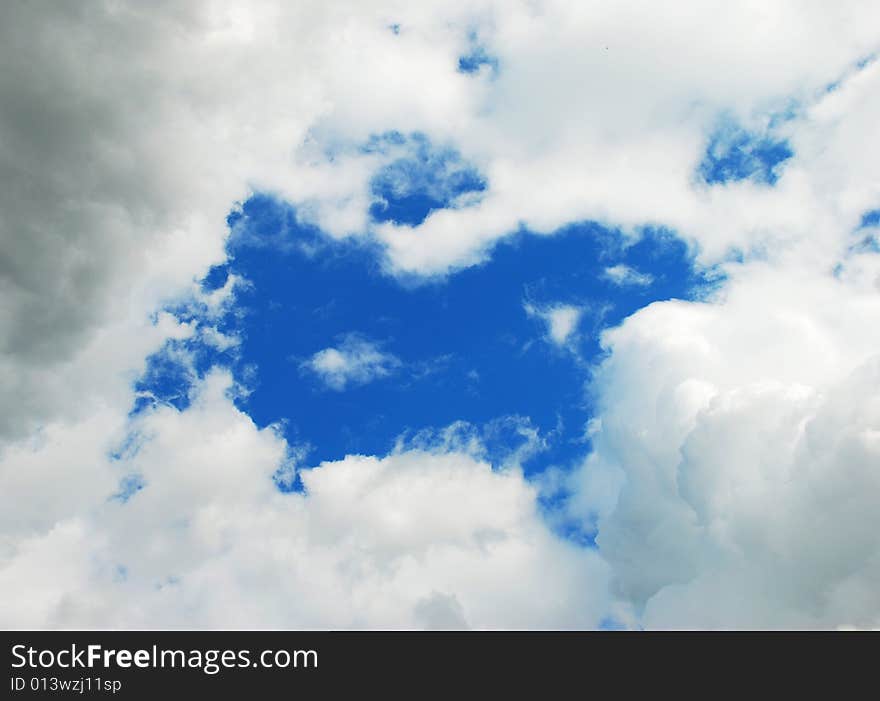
(140, 136)
(561, 320)
(734, 468)
(413, 539)
(355, 362)
(622, 274)
(552, 154)
(145, 136)
(733, 479)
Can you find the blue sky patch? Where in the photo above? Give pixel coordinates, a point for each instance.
(128, 487)
(421, 180)
(475, 59)
(871, 218)
(868, 241)
(172, 371)
(478, 58)
(345, 359)
(734, 153)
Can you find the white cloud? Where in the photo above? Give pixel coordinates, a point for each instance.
(561, 320)
(163, 115)
(622, 147)
(356, 361)
(417, 538)
(735, 468)
(734, 475)
(621, 274)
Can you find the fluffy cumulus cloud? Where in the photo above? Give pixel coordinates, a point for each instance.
(419, 538)
(735, 472)
(732, 478)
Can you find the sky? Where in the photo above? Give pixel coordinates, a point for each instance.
(440, 315)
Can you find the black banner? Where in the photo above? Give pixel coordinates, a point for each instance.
(132, 665)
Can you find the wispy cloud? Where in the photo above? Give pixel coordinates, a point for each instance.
(561, 320)
(356, 361)
(621, 274)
